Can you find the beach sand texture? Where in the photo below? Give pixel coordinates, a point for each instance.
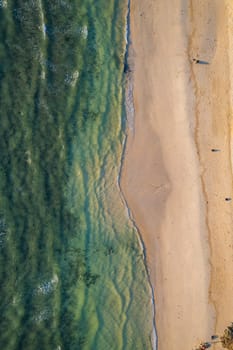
(174, 184)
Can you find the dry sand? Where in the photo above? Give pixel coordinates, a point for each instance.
(174, 185)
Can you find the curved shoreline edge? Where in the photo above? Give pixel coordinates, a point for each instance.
(154, 340)
(129, 126)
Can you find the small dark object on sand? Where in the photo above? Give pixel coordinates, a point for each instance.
(227, 199)
(206, 345)
(215, 150)
(200, 61)
(214, 336)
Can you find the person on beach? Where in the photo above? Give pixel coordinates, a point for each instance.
(204, 346)
(195, 60)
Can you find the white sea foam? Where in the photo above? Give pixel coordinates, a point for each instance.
(71, 78)
(42, 316)
(28, 156)
(129, 105)
(84, 32)
(3, 3)
(43, 26)
(47, 286)
(43, 74)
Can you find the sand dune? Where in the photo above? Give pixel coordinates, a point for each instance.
(175, 186)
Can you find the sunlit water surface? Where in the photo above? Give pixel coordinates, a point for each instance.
(72, 274)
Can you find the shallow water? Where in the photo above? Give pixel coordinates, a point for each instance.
(72, 274)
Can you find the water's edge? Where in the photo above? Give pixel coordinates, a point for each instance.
(129, 126)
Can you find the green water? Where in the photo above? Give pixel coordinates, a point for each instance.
(72, 274)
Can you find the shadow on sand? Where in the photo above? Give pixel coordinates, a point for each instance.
(202, 62)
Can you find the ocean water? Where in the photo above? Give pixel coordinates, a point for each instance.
(72, 271)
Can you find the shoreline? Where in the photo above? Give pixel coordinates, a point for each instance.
(129, 115)
(154, 339)
(168, 195)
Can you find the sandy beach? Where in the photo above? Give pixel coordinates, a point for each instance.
(174, 185)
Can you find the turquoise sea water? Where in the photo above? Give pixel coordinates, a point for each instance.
(72, 274)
